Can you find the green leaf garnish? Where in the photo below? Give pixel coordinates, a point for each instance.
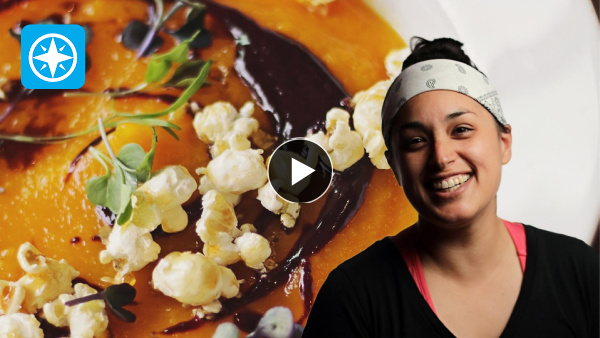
(118, 192)
(111, 190)
(185, 96)
(114, 189)
(96, 187)
(185, 74)
(120, 295)
(160, 65)
(158, 68)
(115, 296)
(134, 157)
(126, 215)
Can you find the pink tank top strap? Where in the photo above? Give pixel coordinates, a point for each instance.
(413, 261)
(517, 232)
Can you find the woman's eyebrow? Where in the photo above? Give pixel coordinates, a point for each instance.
(412, 125)
(455, 115)
(419, 125)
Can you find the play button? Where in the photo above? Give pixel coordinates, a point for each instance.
(300, 170)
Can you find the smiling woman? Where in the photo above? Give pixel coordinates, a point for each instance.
(451, 156)
(447, 142)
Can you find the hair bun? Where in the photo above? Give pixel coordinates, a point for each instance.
(441, 48)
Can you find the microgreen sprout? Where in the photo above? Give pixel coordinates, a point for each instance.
(114, 189)
(144, 38)
(158, 68)
(115, 296)
(150, 119)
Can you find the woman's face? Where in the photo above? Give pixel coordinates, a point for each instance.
(448, 151)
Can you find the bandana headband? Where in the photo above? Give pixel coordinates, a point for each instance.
(438, 74)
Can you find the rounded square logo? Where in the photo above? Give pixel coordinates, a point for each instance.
(52, 56)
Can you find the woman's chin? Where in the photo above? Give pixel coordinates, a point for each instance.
(451, 216)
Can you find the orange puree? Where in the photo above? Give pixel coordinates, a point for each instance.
(39, 205)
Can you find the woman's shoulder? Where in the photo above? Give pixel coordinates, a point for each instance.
(556, 241)
(379, 256)
(560, 248)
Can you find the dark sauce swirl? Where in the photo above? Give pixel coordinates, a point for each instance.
(294, 85)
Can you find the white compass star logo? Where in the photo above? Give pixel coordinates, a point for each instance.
(53, 58)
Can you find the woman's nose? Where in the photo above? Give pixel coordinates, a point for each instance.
(442, 153)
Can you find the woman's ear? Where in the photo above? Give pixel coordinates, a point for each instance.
(506, 143)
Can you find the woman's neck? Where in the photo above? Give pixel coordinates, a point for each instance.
(464, 251)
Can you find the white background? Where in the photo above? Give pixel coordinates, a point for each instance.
(542, 57)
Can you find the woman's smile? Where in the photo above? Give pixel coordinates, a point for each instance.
(451, 187)
(450, 183)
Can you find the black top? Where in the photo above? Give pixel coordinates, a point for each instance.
(374, 295)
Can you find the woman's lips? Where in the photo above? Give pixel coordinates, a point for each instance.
(450, 183)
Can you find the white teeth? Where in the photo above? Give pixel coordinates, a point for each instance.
(452, 183)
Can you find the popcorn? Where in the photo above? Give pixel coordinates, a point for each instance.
(44, 279)
(271, 201)
(217, 228)
(224, 254)
(165, 191)
(157, 201)
(235, 168)
(367, 121)
(254, 249)
(88, 319)
(20, 325)
(247, 227)
(193, 279)
(218, 122)
(130, 248)
(145, 214)
(394, 60)
(237, 171)
(345, 143)
(12, 295)
(205, 311)
(321, 139)
(217, 225)
(206, 185)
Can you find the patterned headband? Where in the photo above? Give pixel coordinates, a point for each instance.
(435, 75)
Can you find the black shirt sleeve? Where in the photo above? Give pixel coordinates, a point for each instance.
(337, 311)
(591, 272)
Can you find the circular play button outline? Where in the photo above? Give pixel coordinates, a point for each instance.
(302, 170)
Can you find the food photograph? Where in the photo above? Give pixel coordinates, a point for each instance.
(138, 138)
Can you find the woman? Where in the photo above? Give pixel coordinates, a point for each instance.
(460, 270)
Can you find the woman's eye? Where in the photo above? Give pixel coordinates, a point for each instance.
(461, 130)
(414, 142)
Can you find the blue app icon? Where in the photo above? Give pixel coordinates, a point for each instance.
(52, 56)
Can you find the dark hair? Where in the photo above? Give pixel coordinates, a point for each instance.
(442, 48)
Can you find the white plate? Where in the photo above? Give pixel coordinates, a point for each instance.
(542, 57)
